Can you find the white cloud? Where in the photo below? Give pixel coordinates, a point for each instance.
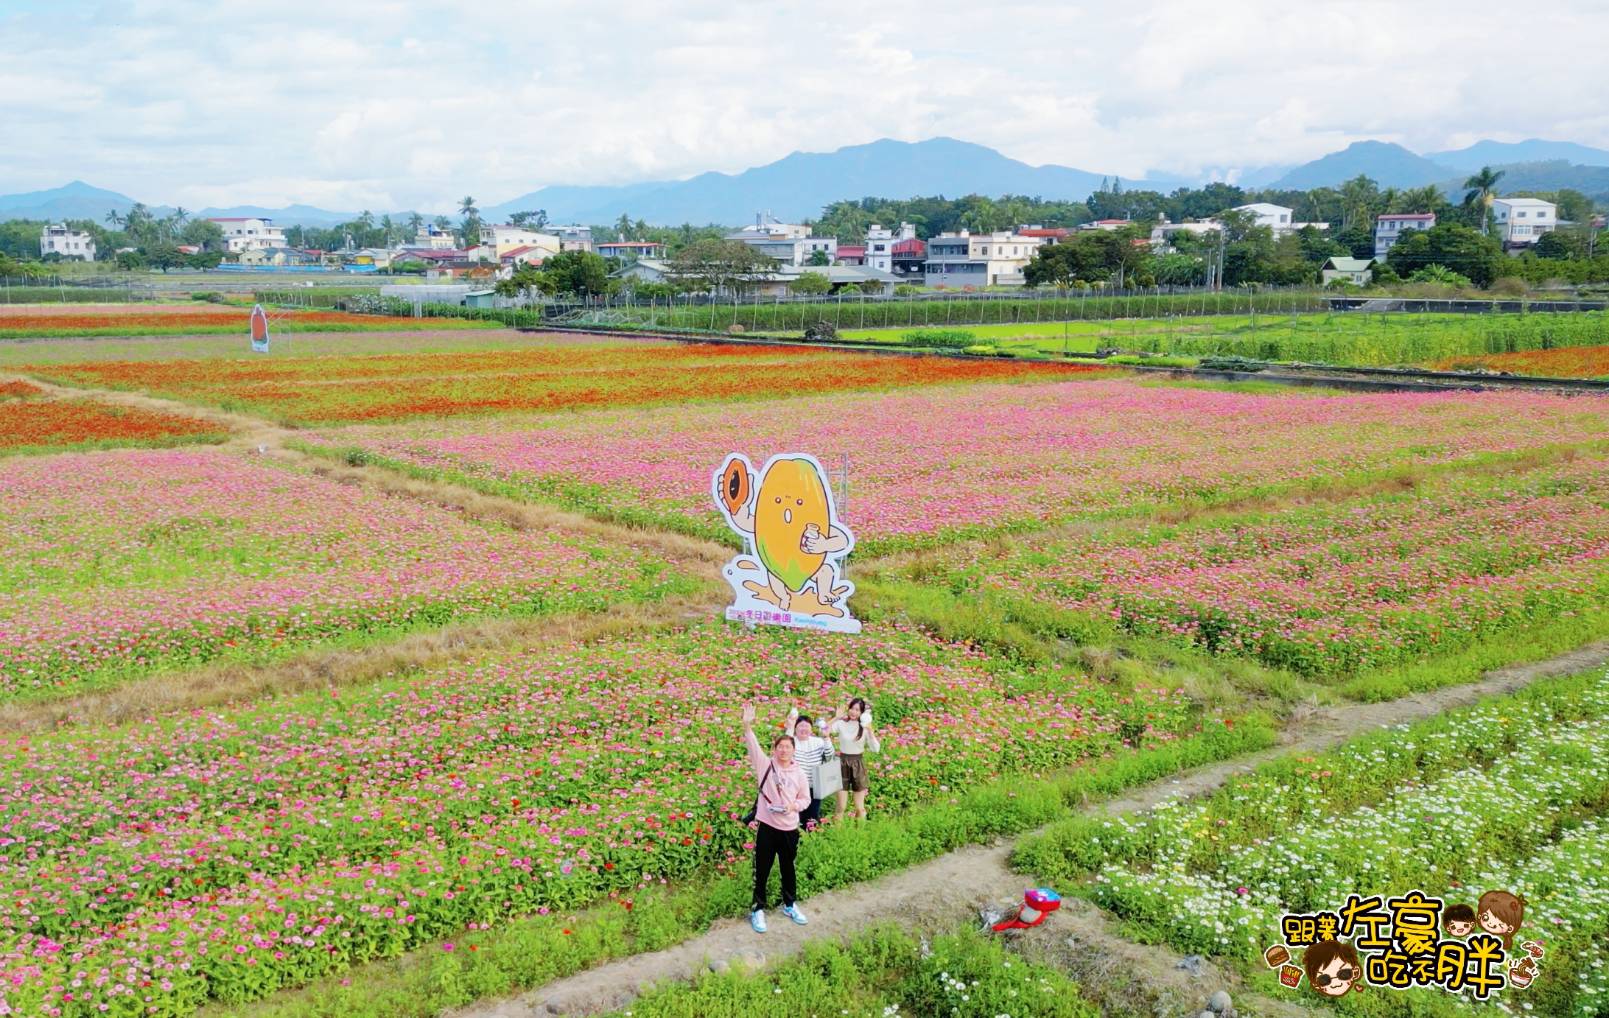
(386, 104)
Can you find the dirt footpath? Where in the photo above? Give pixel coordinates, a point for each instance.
(952, 890)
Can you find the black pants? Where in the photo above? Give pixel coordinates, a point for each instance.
(770, 843)
(811, 814)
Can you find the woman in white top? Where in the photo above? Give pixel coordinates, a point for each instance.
(852, 728)
(809, 750)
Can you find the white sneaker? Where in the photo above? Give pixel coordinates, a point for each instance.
(792, 912)
(757, 920)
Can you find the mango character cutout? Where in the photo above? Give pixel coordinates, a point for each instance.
(790, 523)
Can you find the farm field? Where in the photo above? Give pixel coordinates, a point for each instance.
(1332, 590)
(1572, 362)
(232, 346)
(542, 377)
(22, 321)
(118, 565)
(1072, 582)
(1354, 339)
(34, 421)
(935, 465)
(265, 845)
(1508, 795)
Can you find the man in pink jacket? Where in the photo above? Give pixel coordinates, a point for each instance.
(784, 791)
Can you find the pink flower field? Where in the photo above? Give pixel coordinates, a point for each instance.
(930, 464)
(222, 854)
(1336, 589)
(112, 564)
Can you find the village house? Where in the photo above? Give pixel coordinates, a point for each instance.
(250, 233)
(1390, 228)
(60, 240)
(1521, 222)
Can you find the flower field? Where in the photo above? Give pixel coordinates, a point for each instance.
(114, 564)
(223, 854)
(30, 424)
(1569, 362)
(546, 377)
(1510, 794)
(1336, 589)
(20, 321)
(934, 464)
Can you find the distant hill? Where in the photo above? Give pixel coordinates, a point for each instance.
(76, 200)
(1506, 153)
(1387, 164)
(800, 185)
(1592, 181)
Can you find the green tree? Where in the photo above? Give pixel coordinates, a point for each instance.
(532, 219)
(810, 283)
(719, 266)
(582, 273)
(205, 234)
(1451, 245)
(1481, 189)
(818, 257)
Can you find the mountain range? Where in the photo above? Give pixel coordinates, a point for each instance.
(799, 185)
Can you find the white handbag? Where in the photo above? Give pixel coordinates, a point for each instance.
(826, 779)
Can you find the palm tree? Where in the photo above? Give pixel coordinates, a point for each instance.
(1482, 188)
(1418, 199)
(623, 227)
(113, 217)
(180, 214)
(415, 220)
(466, 206)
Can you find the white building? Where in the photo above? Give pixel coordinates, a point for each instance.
(774, 283)
(248, 233)
(1357, 271)
(433, 238)
(1389, 229)
(1277, 218)
(1519, 222)
(504, 238)
(979, 259)
(58, 239)
(880, 243)
(572, 238)
(788, 243)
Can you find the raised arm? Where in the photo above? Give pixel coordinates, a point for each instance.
(757, 757)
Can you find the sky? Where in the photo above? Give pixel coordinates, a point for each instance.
(387, 104)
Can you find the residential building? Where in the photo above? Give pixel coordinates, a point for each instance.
(880, 241)
(1357, 271)
(1162, 233)
(502, 238)
(625, 250)
(59, 240)
(572, 238)
(851, 254)
(978, 259)
(281, 257)
(525, 254)
(910, 261)
(788, 243)
(775, 283)
(250, 233)
(1049, 234)
(1277, 218)
(1520, 222)
(433, 238)
(1388, 229)
(1108, 225)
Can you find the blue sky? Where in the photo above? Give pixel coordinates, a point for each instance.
(392, 103)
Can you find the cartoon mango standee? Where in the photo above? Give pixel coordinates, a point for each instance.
(794, 542)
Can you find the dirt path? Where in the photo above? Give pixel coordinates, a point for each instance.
(954, 888)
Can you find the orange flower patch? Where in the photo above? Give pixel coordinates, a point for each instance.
(19, 389)
(334, 390)
(1569, 362)
(137, 319)
(76, 423)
